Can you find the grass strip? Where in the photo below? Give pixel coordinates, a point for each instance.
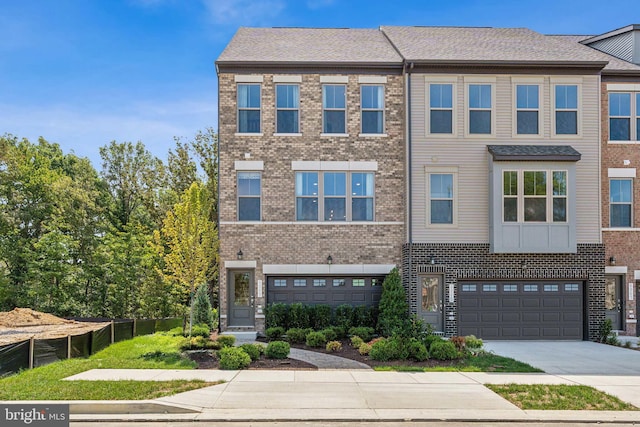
(484, 362)
(559, 397)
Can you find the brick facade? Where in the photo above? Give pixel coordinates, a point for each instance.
(278, 238)
(475, 262)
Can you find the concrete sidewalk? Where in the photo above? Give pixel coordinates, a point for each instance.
(255, 395)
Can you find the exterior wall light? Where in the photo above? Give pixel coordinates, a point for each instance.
(329, 260)
(432, 259)
(612, 260)
(240, 254)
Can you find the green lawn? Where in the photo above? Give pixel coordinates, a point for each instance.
(560, 397)
(484, 362)
(158, 351)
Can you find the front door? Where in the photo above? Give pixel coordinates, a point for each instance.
(431, 300)
(241, 312)
(613, 301)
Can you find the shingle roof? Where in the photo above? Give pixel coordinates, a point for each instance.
(309, 45)
(614, 65)
(564, 153)
(485, 45)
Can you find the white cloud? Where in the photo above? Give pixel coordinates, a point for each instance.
(317, 4)
(244, 12)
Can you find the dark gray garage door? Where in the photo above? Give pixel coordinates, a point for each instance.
(333, 291)
(521, 311)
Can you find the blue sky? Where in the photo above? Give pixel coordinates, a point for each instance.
(85, 72)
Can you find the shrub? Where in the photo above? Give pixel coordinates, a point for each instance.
(298, 316)
(177, 331)
(430, 339)
(334, 346)
(364, 349)
(443, 350)
(195, 343)
(339, 331)
(226, 340)
(330, 334)
(356, 341)
(383, 350)
(198, 330)
(297, 335)
(253, 350)
(316, 339)
(321, 317)
(344, 314)
(604, 331)
(473, 343)
(277, 350)
(277, 315)
(459, 342)
(363, 316)
(417, 350)
(393, 308)
(274, 333)
(364, 332)
(233, 358)
(202, 307)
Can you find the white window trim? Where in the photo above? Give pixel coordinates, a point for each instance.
(521, 196)
(515, 82)
(440, 170)
(454, 108)
(346, 117)
(287, 109)
(578, 110)
(632, 216)
(467, 112)
(248, 165)
(384, 115)
(238, 133)
(634, 116)
(238, 196)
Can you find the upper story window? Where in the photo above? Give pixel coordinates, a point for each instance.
(324, 195)
(442, 193)
(527, 109)
(480, 105)
(287, 108)
(372, 108)
(534, 196)
(441, 108)
(566, 109)
(624, 116)
(620, 202)
(334, 109)
(248, 108)
(249, 195)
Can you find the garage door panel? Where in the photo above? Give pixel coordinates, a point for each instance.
(572, 302)
(528, 302)
(571, 317)
(508, 332)
(489, 317)
(551, 302)
(551, 332)
(468, 303)
(489, 332)
(531, 316)
(469, 317)
(531, 332)
(551, 317)
(509, 302)
(319, 296)
(510, 317)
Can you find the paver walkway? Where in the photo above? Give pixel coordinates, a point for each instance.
(326, 361)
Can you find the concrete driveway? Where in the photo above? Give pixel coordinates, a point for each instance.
(570, 357)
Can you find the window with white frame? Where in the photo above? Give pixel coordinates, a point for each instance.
(480, 105)
(442, 190)
(324, 195)
(619, 116)
(287, 108)
(620, 202)
(334, 109)
(534, 196)
(249, 108)
(249, 195)
(566, 109)
(441, 108)
(372, 109)
(527, 109)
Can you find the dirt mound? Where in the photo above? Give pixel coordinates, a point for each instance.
(19, 317)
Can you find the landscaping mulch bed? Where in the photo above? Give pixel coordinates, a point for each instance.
(206, 359)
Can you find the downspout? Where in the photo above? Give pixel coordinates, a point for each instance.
(218, 203)
(408, 68)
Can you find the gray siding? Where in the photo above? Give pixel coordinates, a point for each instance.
(620, 46)
(469, 155)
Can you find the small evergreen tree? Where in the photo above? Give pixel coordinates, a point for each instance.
(393, 308)
(202, 307)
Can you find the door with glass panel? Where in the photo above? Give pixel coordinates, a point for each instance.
(241, 298)
(613, 301)
(431, 300)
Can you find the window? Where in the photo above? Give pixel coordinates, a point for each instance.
(441, 198)
(338, 282)
(479, 108)
(531, 288)
(468, 288)
(375, 282)
(287, 109)
(372, 109)
(326, 193)
(249, 108)
(334, 105)
(619, 116)
(571, 287)
(550, 288)
(441, 108)
(537, 199)
(510, 288)
(249, 196)
(566, 97)
(527, 109)
(357, 283)
(319, 282)
(489, 288)
(299, 282)
(280, 283)
(620, 202)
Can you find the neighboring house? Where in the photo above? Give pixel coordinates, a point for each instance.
(311, 169)
(620, 95)
(504, 145)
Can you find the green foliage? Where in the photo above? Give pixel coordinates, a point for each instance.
(199, 342)
(365, 316)
(356, 341)
(233, 358)
(330, 334)
(321, 316)
(253, 350)
(298, 316)
(277, 350)
(604, 330)
(339, 331)
(297, 335)
(198, 330)
(316, 339)
(344, 316)
(226, 340)
(274, 333)
(202, 312)
(364, 332)
(277, 315)
(472, 343)
(427, 340)
(393, 310)
(334, 346)
(417, 350)
(364, 349)
(443, 350)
